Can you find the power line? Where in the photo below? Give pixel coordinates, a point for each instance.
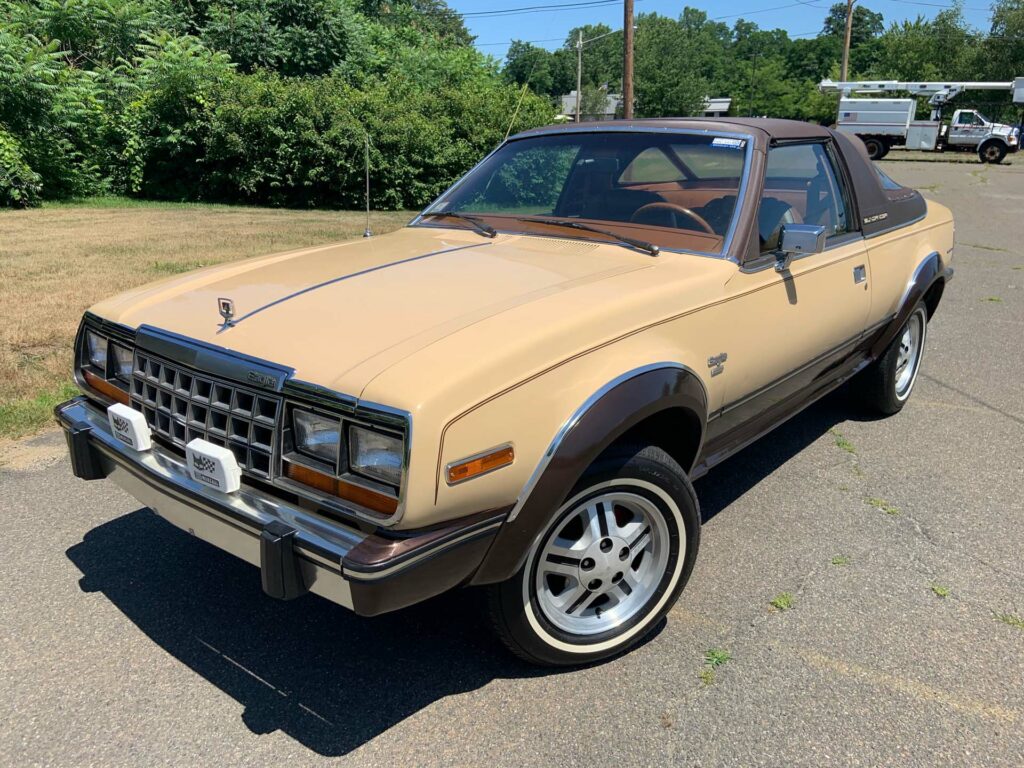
(937, 5)
(539, 9)
(763, 10)
(529, 42)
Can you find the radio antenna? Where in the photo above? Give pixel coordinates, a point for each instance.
(366, 154)
(522, 96)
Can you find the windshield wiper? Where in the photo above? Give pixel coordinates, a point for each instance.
(621, 239)
(482, 227)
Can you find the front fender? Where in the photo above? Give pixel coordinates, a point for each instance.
(609, 413)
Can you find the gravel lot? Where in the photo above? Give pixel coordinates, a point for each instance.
(125, 642)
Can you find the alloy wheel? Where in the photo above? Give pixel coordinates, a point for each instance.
(908, 360)
(602, 563)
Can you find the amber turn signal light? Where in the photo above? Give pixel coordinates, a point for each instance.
(364, 497)
(104, 387)
(479, 465)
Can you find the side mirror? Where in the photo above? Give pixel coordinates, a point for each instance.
(798, 240)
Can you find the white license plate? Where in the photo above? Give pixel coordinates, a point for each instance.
(213, 466)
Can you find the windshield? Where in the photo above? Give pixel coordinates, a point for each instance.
(674, 190)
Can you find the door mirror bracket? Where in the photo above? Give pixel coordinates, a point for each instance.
(798, 240)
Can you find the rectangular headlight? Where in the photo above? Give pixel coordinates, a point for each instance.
(96, 347)
(122, 362)
(316, 435)
(375, 455)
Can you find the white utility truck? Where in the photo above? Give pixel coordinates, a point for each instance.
(885, 123)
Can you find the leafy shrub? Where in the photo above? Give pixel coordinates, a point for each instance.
(255, 101)
(19, 184)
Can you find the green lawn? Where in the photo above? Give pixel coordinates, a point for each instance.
(57, 260)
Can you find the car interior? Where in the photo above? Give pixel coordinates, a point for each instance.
(677, 192)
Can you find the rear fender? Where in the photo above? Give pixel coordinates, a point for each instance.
(929, 272)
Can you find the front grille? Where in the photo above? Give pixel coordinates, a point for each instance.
(181, 404)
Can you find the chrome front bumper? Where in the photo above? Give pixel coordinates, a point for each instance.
(296, 550)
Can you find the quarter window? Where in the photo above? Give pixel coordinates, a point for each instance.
(801, 186)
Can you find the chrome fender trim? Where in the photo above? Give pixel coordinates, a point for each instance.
(578, 414)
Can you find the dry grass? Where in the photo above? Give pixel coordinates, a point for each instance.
(57, 261)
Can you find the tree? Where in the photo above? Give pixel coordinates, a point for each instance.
(593, 102)
(1002, 53)
(866, 25)
(666, 83)
(865, 29)
(602, 59)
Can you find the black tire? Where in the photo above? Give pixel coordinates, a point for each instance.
(992, 151)
(653, 477)
(878, 387)
(876, 148)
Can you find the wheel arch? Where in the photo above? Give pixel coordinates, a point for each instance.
(927, 283)
(649, 403)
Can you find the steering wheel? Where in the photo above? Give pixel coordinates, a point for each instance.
(674, 209)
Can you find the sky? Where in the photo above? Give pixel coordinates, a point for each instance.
(548, 28)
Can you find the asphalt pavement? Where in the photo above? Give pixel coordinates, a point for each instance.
(898, 542)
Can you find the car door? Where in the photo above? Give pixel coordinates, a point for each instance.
(967, 129)
(786, 327)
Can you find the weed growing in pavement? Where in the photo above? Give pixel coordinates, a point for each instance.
(841, 560)
(842, 442)
(883, 506)
(1009, 618)
(713, 658)
(940, 590)
(716, 657)
(994, 299)
(782, 602)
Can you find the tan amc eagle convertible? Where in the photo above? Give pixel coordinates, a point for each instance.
(517, 389)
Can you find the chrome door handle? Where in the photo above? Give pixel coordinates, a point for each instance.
(860, 274)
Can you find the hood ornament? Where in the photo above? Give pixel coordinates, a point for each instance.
(227, 311)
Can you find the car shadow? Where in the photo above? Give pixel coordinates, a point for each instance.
(326, 677)
(319, 673)
(726, 482)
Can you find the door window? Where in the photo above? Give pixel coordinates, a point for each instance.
(801, 186)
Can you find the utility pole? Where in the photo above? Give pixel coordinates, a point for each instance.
(579, 74)
(846, 41)
(580, 42)
(627, 60)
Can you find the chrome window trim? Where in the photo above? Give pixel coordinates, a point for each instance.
(765, 260)
(578, 414)
(726, 252)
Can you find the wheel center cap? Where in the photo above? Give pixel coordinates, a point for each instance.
(602, 561)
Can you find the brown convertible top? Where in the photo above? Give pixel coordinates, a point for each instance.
(764, 130)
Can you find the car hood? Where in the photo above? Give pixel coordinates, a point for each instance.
(329, 312)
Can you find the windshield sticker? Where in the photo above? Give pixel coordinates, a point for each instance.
(721, 141)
